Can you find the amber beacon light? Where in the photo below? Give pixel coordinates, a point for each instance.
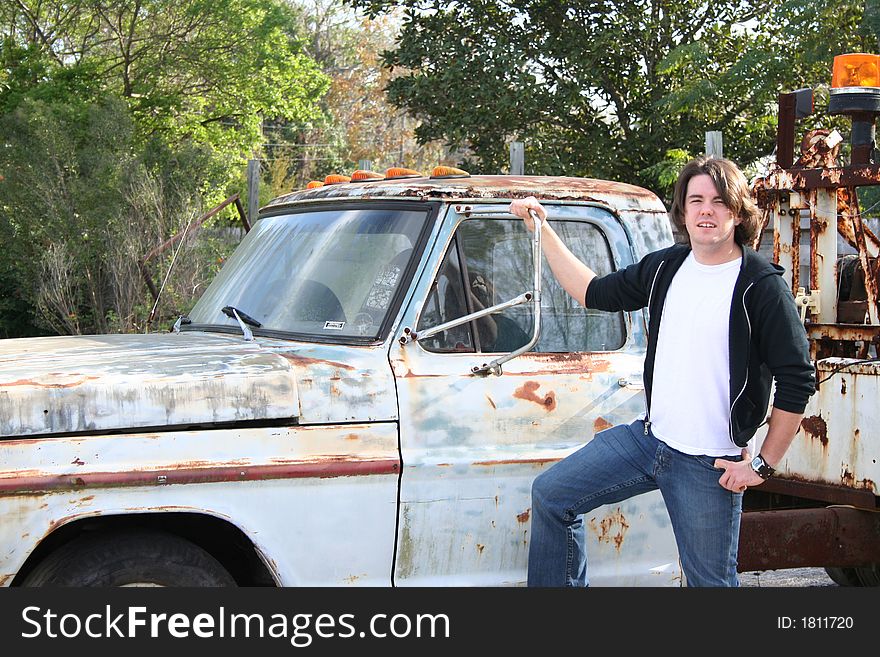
(855, 92)
(856, 70)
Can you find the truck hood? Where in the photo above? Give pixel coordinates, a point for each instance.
(106, 382)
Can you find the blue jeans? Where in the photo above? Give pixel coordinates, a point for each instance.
(620, 463)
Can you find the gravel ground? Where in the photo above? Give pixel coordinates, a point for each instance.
(791, 577)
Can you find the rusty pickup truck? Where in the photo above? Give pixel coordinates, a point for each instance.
(362, 396)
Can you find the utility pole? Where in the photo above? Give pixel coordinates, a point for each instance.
(253, 183)
(517, 158)
(714, 143)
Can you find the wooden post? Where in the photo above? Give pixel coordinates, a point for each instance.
(714, 143)
(253, 182)
(517, 158)
(242, 214)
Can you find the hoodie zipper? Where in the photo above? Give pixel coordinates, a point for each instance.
(651, 296)
(745, 383)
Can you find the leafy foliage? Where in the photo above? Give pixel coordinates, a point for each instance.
(606, 88)
(80, 208)
(120, 122)
(358, 121)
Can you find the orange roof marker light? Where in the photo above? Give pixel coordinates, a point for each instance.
(335, 179)
(399, 172)
(362, 175)
(448, 172)
(856, 70)
(313, 184)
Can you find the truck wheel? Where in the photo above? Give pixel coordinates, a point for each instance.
(864, 576)
(869, 575)
(843, 576)
(132, 558)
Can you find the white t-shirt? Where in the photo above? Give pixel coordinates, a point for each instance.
(690, 399)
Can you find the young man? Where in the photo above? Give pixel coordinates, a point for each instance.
(723, 323)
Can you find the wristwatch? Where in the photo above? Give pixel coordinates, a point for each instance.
(762, 468)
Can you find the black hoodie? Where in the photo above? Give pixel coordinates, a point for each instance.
(767, 338)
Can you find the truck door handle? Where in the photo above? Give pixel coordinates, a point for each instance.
(632, 381)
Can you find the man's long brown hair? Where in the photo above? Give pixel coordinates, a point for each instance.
(733, 188)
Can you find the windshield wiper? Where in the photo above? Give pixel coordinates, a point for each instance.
(243, 319)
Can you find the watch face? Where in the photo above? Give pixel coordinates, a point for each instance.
(759, 465)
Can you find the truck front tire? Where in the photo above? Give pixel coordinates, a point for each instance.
(131, 558)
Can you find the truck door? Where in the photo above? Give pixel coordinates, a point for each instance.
(473, 444)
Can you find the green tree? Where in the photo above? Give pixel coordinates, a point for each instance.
(358, 122)
(79, 207)
(607, 88)
(120, 121)
(203, 70)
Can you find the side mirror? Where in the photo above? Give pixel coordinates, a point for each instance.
(533, 296)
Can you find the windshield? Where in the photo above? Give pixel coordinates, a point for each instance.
(331, 273)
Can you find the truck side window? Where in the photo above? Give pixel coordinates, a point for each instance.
(497, 267)
(566, 324)
(499, 250)
(446, 302)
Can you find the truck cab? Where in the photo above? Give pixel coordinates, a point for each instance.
(363, 396)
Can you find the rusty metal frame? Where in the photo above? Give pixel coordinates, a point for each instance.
(832, 536)
(830, 196)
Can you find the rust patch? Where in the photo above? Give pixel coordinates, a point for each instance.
(527, 392)
(60, 522)
(569, 363)
(524, 516)
(611, 529)
(600, 424)
(38, 384)
(491, 403)
(323, 469)
(480, 548)
(477, 186)
(816, 427)
(5, 578)
(303, 360)
(848, 479)
(352, 436)
(516, 461)
(817, 151)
